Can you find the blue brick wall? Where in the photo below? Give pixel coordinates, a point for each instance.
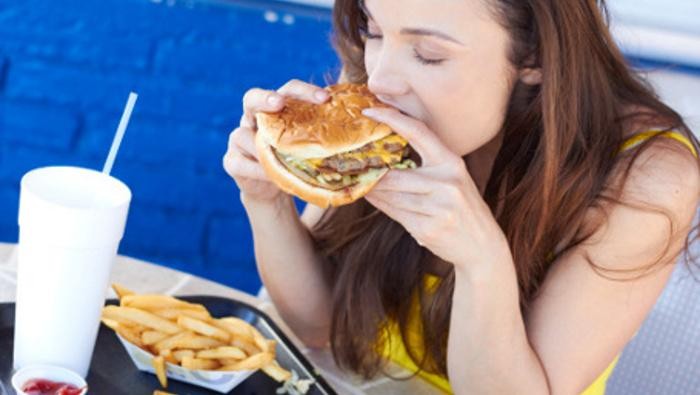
(66, 69)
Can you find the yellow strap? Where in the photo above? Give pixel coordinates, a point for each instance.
(641, 137)
(598, 386)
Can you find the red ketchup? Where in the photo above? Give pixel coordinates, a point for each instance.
(47, 387)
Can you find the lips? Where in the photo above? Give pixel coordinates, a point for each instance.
(389, 102)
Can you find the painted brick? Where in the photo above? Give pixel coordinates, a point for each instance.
(240, 62)
(105, 18)
(102, 91)
(16, 160)
(229, 240)
(179, 188)
(157, 141)
(162, 232)
(219, 193)
(37, 124)
(3, 71)
(9, 205)
(86, 90)
(85, 50)
(169, 187)
(142, 18)
(208, 106)
(196, 60)
(239, 275)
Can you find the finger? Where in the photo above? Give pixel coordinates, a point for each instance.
(397, 213)
(245, 122)
(256, 100)
(243, 140)
(406, 181)
(431, 150)
(239, 166)
(406, 201)
(411, 221)
(304, 91)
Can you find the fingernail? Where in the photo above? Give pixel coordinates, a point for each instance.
(370, 112)
(321, 95)
(274, 100)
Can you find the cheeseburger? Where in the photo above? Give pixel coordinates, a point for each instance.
(329, 154)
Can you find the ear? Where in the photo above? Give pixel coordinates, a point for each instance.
(531, 76)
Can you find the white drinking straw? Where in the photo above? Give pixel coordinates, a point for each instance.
(123, 123)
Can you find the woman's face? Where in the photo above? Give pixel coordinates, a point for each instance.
(443, 62)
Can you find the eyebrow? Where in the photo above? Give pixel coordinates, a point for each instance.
(415, 31)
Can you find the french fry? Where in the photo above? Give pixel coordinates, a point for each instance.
(235, 326)
(159, 392)
(148, 302)
(199, 364)
(149, 337)
(278, 373)
(135, 327)
(254, 362)
(168, 355)
(265, 345)
(222, 352)
(179, 354)
(271, 346)
(202, 328)
(137, 316)
(195, 342)
(246, 345)
(228, 361)
(187, 340)
(121, 291)
(173, 313)
(130, 335)
(112, 324)
(171, 342)
(159, 366)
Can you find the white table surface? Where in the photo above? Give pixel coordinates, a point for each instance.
(145, 277)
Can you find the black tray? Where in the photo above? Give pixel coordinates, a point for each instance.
(113, 373)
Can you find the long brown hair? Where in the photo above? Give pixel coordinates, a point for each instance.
(560, 141)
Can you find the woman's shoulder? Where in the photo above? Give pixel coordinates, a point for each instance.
(645, 217)
(658, 164)
(656, 156)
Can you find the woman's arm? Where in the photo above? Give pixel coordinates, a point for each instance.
(580, 320)
(290, 268)
(287, 262)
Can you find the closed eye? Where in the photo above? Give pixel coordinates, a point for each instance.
(426, 61)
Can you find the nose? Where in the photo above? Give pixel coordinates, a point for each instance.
(385, 78)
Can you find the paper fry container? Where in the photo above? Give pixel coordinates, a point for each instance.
(215, 380)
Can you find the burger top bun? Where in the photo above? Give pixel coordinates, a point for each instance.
(306, 130)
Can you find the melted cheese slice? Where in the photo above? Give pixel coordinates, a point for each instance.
(377, 150)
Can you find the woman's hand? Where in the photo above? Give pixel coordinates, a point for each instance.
(438, 203)
(241, 158)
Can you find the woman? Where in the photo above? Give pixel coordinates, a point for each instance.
(554, 195)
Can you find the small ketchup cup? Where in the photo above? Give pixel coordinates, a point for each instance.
(50, 373)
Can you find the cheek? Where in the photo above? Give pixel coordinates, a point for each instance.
(468, 108)
(371, 55)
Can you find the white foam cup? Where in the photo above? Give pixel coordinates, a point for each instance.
(71, 221)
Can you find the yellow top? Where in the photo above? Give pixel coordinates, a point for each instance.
(395, 349)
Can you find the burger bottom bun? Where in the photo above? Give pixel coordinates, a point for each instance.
(315, 195)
